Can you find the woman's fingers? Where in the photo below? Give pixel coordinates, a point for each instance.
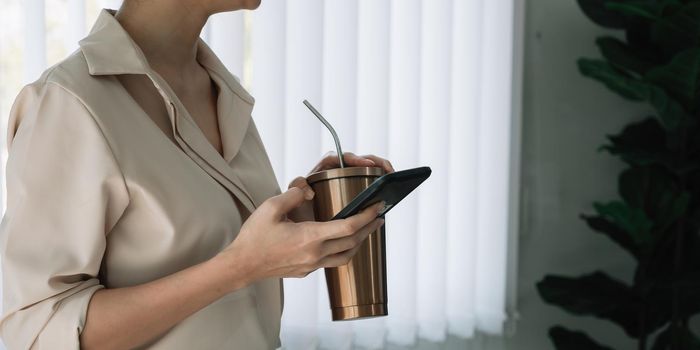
(367, 160)
(354, 160)
(300, 182)
(342, 257)
(338, 259)
(283, 203)
(330, 161)
(338, 245)
(379, 161)
(346, 227)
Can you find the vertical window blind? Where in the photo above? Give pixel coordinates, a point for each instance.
(419, 82)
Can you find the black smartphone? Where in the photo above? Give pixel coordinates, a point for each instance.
(390, 188)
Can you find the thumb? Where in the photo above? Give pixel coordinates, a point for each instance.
(287, 201)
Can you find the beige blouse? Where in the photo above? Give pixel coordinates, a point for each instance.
(99, 196)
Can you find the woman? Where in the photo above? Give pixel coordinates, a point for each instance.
(142, 208)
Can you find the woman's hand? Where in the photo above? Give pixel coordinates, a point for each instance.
(270, 245)
(330, 161)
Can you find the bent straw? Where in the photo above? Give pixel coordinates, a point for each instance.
(330, 128)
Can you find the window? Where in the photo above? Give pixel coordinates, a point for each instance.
(420, 82)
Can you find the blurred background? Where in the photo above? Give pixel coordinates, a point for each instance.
(486, 92)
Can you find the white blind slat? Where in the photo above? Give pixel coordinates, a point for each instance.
(493, 164)
(110, 4)
(373, 77)
(434, 139)
(404, 82)
(340, 71)
(304, 30)
(75, 27)
(268, 80)
(464, 122)
(34, 39)
(372, 117)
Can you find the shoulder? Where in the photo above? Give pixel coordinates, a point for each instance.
(65, 82)
(72, 76)
(57, 98)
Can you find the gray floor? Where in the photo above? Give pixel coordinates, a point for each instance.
(453, 343)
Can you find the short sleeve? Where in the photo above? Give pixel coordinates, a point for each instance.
(65, 192)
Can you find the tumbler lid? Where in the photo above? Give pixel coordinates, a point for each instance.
(344, 172)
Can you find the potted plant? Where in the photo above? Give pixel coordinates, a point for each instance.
(656, 219)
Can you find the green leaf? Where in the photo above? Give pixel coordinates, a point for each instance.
(689, 341)
(638, 36)
(671, 207)
(679, 30)
(599, 14)
(688, 286)
(643, 186)
(662, 341)
(687, 280)
(694, 185)
(680, 78)
(602, 71)
(633, 220)
(683, 338)
(595, 295)
(643, 9)
(660, 281)
(622, 56)
(657, 192)
(633, 185)
(641, 143)
(616, 234)
(565, 339)
(670, 111)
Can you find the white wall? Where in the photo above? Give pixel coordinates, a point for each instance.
(565, 119)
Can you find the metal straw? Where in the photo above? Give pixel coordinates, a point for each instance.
(330, 128)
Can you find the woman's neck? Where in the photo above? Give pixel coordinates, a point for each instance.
(166, 30)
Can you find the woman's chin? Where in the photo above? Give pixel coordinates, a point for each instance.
(230, 5)
(250, 4)
(253, 4)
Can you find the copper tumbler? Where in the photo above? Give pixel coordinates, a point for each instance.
(358, 288)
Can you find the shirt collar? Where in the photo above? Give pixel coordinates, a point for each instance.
(109, 50)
